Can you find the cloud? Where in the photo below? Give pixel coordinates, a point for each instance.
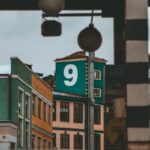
(5, 69)
(20, 35)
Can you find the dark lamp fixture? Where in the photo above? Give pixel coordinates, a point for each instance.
(51, 28)
(51, 7)
(90, 39)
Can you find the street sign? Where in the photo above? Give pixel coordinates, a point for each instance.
(71, 77)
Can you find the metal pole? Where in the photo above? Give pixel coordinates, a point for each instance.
(91, 97)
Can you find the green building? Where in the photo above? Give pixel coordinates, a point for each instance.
(15, 107)
(72, 76)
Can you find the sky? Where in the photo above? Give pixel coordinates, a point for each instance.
(20, 35)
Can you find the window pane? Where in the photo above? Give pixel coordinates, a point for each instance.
(54, 140)
(64, 141)
(33, 141)
(97, 92)
(27, 101)
(27, 135)
(49, 114)
(54, 111)
(44, 145)
(78, 141)
(34, 104)
(64, 111)
(97, 142)
(20, 132)
(97, 116)
(44, 111)
(39, 107)
(97, 74)
(39, 143)
(78, 112)
(20, 102)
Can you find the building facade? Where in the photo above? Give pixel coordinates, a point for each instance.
(71, 103)
(70, 123)
(16, 106)
(41, 114)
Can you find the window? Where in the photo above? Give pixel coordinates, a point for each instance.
(20, 132)
(97, 92)
(78, 141)
(28, 135)
(49, 145)
(64, 111)
(97, 145)
(21, 101)
(97, 116)
(33, 104)
(64, 140)
(54, 111)
(45, 111)
(78, 112)
(54, 139)
(49, 114)
(39, 107)
(33, 141)
(97, 75)
(39, 143)
(27, 101)
(44, 144)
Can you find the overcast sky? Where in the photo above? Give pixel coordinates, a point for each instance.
(20, 35)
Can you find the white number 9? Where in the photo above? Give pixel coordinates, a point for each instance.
(70, 73)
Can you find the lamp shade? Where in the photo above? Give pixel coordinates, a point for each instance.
(52, 7)
(89, 39)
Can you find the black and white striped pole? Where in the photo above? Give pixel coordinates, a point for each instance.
(89, 40)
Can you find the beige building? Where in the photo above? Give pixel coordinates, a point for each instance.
(70, 123)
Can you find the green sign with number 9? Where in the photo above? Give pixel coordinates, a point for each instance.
(71, 77)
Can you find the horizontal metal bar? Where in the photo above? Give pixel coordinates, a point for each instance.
(72, 15)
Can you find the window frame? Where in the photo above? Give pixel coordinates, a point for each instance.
(100, 75)
(78, 112)
(34, 104)
(100, 92)
(78, 141)
(65, 141)
(97, 113)
(39, 107)
(54, 110)
(64, 111)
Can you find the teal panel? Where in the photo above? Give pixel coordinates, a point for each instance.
(100, 66)
(20, 69)
(4, 99)
(15, 85)
(71, 77)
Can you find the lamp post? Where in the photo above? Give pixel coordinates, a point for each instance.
(51, 8)
(89, 40)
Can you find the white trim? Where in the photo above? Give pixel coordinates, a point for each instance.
(4, 124)
(4, 76)
(33, 90)
(22, 111)
(100, 94)
(17, 77)
(100, 73)
(42, 97)
(8, 138)
(29, 109)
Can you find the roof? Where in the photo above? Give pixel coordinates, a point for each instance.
(79, 55)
